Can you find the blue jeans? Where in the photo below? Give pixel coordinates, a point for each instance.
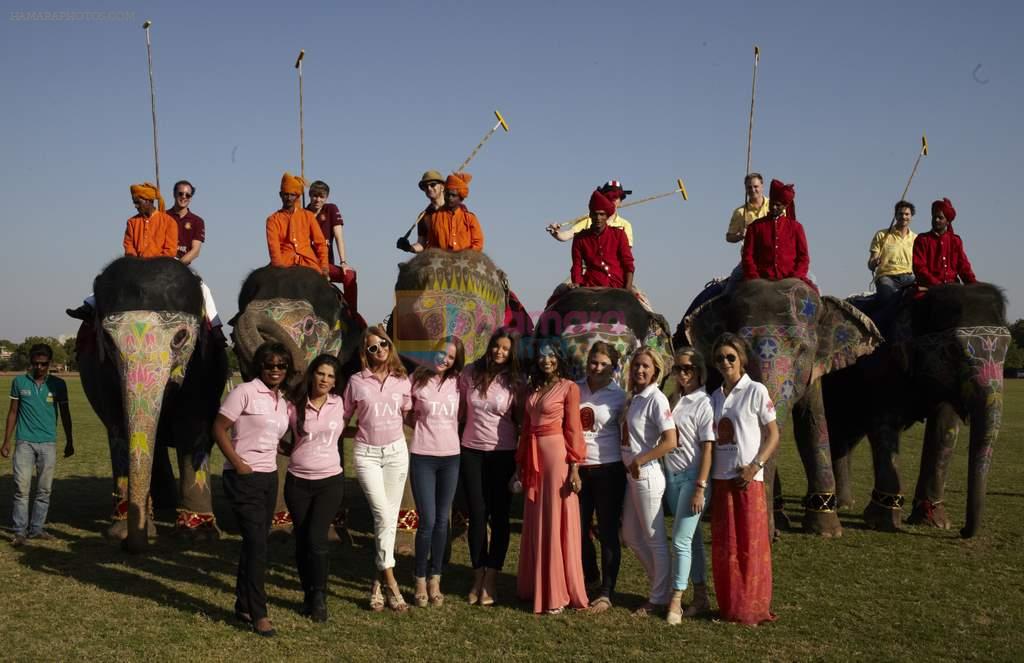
(43, 457)
(888, 287)
(687, 540)
(434, 479)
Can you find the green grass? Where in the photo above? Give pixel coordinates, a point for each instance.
(920, 594)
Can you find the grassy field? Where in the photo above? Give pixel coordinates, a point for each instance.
(922, 594)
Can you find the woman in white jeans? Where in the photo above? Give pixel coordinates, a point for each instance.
(648, 434)
(379, 396)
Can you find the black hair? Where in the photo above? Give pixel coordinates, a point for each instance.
(903, 203)
(174, 189)
(273, 349)
(41, 349)
(305, 388)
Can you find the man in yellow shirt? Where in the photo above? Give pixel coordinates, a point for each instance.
(613, 190)
(755, 208)
(892, 255)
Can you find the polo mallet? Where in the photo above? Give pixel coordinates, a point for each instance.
(922, 153)
(302, 138)
(680, 189)
(753, 92)
(501, 123)
(152, 100)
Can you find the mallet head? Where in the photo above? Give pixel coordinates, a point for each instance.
(924, 145)
(145, 26)
(501, 121)
(298, 60)
(682, 189)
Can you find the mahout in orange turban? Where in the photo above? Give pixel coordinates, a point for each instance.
(459, 183)
(147, 191)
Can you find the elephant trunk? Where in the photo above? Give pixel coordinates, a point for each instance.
(985, 422)
(291, 323)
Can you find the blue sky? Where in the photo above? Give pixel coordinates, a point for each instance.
(643, 92)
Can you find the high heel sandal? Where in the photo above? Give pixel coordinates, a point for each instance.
(395, 600)
(421, 596)
(487, 594)
(478, 583)
(376, 597)
(434, 591)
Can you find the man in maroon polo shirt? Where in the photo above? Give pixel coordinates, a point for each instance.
(328, 216)
(191, 227)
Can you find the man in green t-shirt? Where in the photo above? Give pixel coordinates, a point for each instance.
(36, 399)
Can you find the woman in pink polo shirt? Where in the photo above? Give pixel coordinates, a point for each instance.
(314, 485)
(434, 463)
(256, 414)
(379, 396)
(489, 389)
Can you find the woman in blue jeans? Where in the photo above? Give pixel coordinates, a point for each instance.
(434, 462)
(687, 493)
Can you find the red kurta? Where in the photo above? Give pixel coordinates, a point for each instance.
(775, 249)
(601, 260)
(941, 259)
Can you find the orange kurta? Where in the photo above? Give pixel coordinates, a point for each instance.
(294, 238)
(456, 230)
(155, 237)
(551, 550)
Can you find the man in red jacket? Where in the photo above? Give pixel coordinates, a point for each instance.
(939, 253)
(775, 246)
(601, 256)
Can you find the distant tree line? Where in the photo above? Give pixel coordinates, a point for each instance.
(14, 356)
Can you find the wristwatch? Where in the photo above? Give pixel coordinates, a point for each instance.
(758, 463)
(702, 484)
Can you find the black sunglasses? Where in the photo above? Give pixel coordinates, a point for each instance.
(377, 347)
(182, 194)
(726, 358)
(688, 368)
(280, 366)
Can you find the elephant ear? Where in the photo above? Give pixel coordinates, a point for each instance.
(844, 335)
(705, 324)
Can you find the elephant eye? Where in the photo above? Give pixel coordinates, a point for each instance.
(179, 339)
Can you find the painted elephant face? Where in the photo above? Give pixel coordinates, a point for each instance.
(306, 334)
(441, 294)
(965, 365)
(578, 339)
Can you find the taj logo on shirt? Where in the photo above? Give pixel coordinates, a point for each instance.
(449, 409)
(391, 409)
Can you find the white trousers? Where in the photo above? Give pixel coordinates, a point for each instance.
(381, 473)
(643, 529)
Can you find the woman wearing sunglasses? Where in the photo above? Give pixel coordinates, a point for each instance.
(314, 485)
(434, 463)
(379, 397)
(648, 434)
(490, 389)
(550, 450)
(746, 436)
(687, 470)
(256, 413)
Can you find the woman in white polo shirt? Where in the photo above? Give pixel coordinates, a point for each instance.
(649, 433)
(687, 470)
(746, 436)
(602, 473)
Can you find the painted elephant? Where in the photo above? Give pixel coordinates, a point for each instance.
(446, 293)
(944, 363)
(583, 316)
(154, 377)
(795, 337)
(297, 307)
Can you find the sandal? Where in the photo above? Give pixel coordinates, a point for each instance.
(421, 596)
(648, 609)
(599, 605)
(434, 591)
(554, 611)
(395, 600)
(376, 597)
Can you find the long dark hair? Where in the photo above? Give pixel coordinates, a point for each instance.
(423, 374)
(539, 379)
(485, 371)
(271, 349)
(301, 394)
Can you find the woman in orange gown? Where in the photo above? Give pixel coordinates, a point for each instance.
(550, 448)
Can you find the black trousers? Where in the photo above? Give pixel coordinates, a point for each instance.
(485, 477)
(252, 498)
(313, 504)
(604, 491)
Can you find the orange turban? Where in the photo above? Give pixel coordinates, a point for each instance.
(292, 184)
(459, 183)
(147, 191)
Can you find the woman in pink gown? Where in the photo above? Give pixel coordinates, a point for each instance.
(550, 448)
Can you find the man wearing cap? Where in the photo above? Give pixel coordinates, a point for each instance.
(775, 246)
(432, 186)
(453, 227)
(293, 235)
(601, 256)
(613, 190)
(939, 256)
(328, 218)
(755, 208)
(151, 233)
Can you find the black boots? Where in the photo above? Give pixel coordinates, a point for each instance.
(314, 604)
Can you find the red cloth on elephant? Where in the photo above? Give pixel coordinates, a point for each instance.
(941, 259)
(741, 552)
(776, 249)
(601, 259)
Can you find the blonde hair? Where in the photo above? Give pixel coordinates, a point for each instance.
(394, 364)
(659, 367)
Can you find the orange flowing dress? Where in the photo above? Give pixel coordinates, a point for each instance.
(550, 555)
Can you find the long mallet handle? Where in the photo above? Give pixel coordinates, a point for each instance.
(414, 224)
(913, 171)
(501, 123)
(680, 189)
(302, 137)
(152, 100)
(753, 91)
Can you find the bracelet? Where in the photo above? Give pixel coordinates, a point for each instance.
(702, 484)
(758, 463)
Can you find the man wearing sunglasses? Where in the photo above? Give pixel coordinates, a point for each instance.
(36, 399)
(191, 227)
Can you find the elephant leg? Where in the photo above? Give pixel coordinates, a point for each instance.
(811, 433)
(281, 524)
(118, 443)
(841, 460)
(940, 437)
(408, 521)
(162, 488)
(778, 503)
(885, 510)
(195, 520)
(770, 472)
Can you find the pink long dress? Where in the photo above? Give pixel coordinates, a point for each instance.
(550, 556)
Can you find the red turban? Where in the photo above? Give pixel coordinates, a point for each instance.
(600, 202)
(785, 194)
(946, 207)
(459, 183)
(147, 191)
